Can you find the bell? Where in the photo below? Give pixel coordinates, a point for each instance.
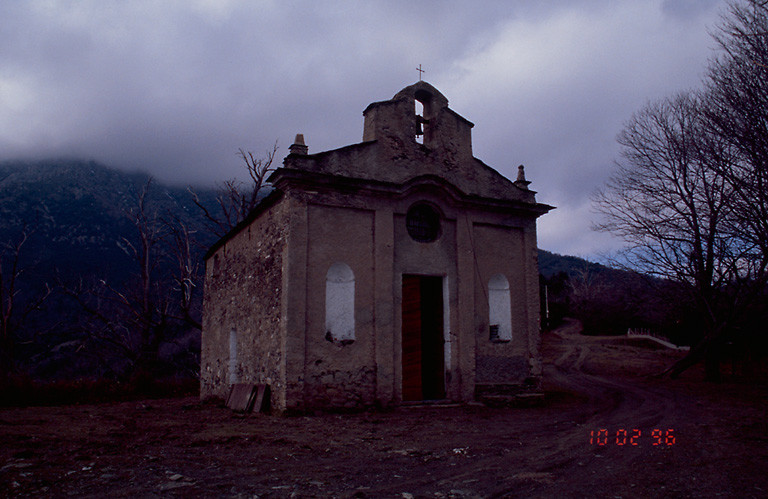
(420, 122)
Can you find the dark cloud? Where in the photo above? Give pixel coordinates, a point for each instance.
(176, 88)
(688, 9)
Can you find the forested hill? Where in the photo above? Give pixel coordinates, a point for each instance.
(75, 228)
(76, 214)
(551, 264)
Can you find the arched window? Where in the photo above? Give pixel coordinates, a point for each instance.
(232, 371)
(340, 304)
(499, 309)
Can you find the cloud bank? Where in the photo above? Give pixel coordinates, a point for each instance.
(175, 88)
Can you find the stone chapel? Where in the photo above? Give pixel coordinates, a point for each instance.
(397, 269)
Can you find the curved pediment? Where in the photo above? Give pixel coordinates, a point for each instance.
(424, 93)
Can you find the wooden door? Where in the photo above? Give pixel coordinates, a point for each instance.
(422, 338)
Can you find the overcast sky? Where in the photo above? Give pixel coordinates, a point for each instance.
(176, 87)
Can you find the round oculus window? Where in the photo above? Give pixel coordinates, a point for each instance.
(423, 223)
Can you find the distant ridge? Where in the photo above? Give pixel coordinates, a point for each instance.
(76, 212)
(551, 264)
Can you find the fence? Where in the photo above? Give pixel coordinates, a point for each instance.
(648, 333)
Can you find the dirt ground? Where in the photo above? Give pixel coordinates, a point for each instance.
(179, 447)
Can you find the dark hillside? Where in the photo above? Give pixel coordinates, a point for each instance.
(76, 213)
(80, 236)
(608, 301)
(551, 264)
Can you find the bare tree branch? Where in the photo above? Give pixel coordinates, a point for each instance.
(672, 208)
(236, 199)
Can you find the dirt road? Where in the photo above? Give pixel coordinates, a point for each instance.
(712, 440)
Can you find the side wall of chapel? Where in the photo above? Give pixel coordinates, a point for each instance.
(243, 338)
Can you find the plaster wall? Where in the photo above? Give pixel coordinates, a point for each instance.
(498, 250)
(340, 373)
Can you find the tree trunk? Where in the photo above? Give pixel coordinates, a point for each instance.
(712, 361)
(708, 350)
(6, 359)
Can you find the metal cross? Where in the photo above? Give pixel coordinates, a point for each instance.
(420, 71)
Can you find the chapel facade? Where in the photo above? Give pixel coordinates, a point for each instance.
(397, 269)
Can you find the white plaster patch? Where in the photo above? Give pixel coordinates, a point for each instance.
(500, 307)
(340, 302)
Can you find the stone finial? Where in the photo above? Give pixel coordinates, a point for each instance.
(521, 182)
(298, 146)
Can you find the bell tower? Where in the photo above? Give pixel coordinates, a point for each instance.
(437, 127)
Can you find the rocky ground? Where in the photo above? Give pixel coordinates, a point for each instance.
(693, 439)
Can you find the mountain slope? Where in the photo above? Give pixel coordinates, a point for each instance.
(77, 213)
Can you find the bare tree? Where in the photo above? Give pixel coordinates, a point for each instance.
(188, 268)
(137, 317)
(236, 199)
(105, 322)
(14, 309)
(149, 304)
(585, 284)
(671, 206)
(737, 111)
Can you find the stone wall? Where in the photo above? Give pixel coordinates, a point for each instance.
(243, 289)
